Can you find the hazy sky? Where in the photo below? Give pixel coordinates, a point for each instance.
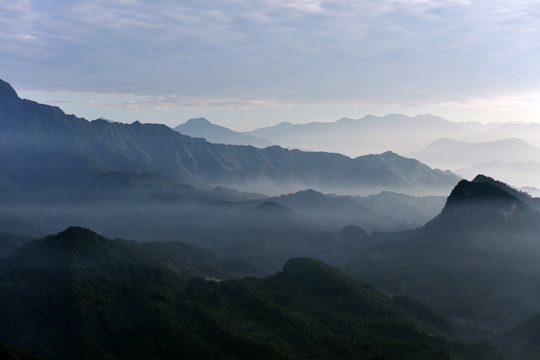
(246, 63)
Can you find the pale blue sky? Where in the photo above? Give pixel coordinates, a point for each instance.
(250, 63)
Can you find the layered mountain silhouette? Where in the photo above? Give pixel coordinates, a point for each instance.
(477, 261)
(446, 153)
(529, 132)
(77, 295)
(371, 134)
(383, 211)
(202, 128)
(50, 154)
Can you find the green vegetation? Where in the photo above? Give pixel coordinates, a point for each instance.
(77, 295)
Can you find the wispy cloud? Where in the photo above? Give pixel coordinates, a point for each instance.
(229, 52)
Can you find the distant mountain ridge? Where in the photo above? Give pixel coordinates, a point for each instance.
(368, 135)
(446, 153)
(45, 148)
(202, 128)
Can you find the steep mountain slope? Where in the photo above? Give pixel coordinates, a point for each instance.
(371, 134)
(202, 128)
(531, 201)
(478, 260)
(50, 154)
(77, 295)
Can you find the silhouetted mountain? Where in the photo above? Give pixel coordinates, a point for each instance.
(77, 295)
(531, 201)
(48, 154)
(477, 261)
(202, 128)
(371, 134)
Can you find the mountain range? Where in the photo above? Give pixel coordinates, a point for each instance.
(41, 145)
(446, 153)
(510, 160)
(503, 151)
(368, 135)
(216, 268)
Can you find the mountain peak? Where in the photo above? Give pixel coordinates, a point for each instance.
(77, 240)
(199, 120)
(477, 190)
(7, 91)
(482, 204)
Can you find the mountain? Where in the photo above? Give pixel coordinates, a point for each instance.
(51, 156)
(531, 201)
(384, 211)
(77, 295)
(371, 134)
(529, 132)
(446, 153)
(477, 261)
(202, 128)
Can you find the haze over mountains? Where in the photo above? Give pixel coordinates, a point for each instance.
(40, 142)
(457, 260)
(510, 152)
(213, 133)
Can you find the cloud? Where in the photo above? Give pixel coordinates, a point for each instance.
(249, 53)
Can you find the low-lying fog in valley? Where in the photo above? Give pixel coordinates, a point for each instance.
(270, 180)
(169, 244)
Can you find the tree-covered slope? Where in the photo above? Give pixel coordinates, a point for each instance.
(479, 260)
(77, 295)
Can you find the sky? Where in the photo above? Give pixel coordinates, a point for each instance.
(251, 63)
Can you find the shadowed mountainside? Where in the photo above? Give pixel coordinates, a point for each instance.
(50, 155)
(79, 295)
(476, 261)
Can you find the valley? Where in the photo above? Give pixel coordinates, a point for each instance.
(137, 241)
